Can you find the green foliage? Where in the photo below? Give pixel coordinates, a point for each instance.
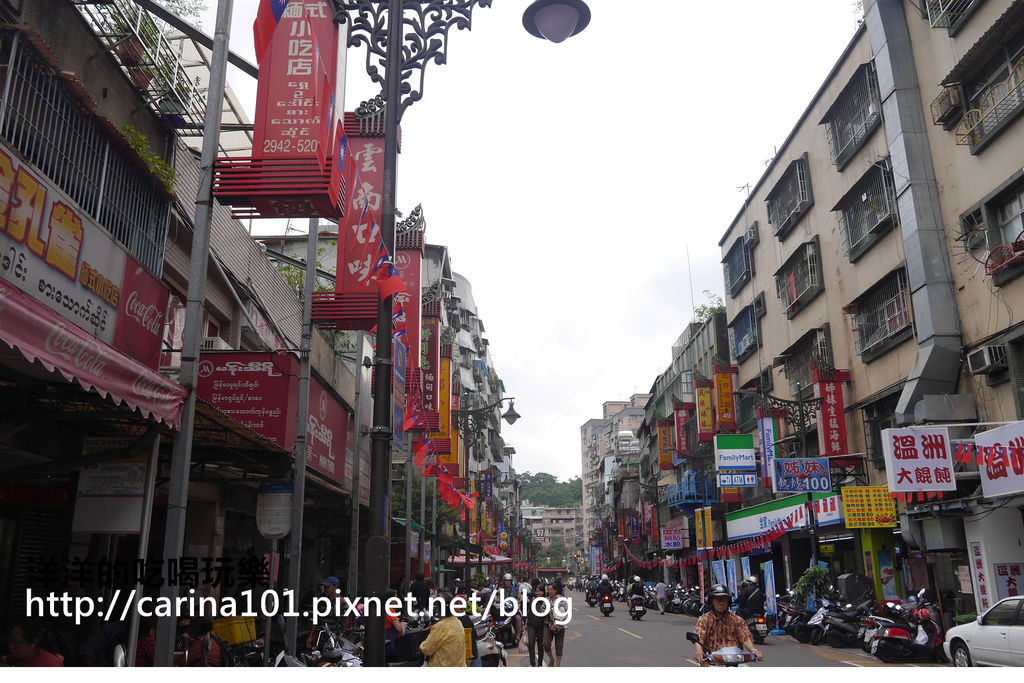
(714, 304)
(296, 279)
(553, 555)
(544, 489)
(154, 162)
(186, 9)
(814, 578)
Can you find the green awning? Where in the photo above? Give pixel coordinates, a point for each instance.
(401, 520)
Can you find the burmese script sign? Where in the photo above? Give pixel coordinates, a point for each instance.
(260, 390)
(55, 253)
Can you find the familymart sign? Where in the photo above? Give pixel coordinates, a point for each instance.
(735, 452)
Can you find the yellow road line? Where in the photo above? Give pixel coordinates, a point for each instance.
(692, 662)
(593, 617)
(632, 634)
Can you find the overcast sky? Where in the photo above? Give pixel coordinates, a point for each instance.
(568, 181)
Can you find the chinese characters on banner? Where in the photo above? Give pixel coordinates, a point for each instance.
(767, 430)
(867, 507)
(430, 361)
(664, 447)
(801, 474)
(831, 439)
(681, 414)
(671, 539)
(1003, 470)
(358, 231)
(724, 399)
(1008, 580)
(295, 94)
(449, 459)
(705, 534)
(705, 411)
(979, 577)
(918, 460)
(634, 527)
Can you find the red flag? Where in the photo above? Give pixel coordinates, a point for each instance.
(267, 17)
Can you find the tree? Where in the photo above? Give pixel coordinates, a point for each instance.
(553, 555)
(714, 304)
(544, 489)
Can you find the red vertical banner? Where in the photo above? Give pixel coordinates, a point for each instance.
(724, 399)
(359, 230)
(654, 526)
(705, 411)
(409, 263)
(831, 419)
(295, 91)
(681, 415)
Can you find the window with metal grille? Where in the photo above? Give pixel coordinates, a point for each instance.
(743, 334)
(799, 280)
(878, 416)
(790, 198)
(736, 265)
(56, 134)
(995, 96)
(949, 13)
(854, 115)
(802, 357)
(867, 210)
(882, 314)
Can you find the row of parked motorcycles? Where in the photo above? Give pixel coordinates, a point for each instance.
(895, 633)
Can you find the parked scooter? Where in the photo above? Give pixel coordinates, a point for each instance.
(917, 638)
(843, 627)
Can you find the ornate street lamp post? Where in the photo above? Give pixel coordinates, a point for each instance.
(401, 37)
(474, 421)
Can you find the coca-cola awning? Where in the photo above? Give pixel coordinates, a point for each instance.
(42, 335)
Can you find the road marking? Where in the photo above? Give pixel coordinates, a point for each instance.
(593, 617)
(851, 663)
(632, 634)
(692, 662)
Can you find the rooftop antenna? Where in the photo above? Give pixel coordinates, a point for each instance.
(689, 270)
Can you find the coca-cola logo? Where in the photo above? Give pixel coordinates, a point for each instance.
(149, 387)
(147, 315)
(85, 354)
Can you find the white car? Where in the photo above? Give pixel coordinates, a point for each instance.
(996, 638)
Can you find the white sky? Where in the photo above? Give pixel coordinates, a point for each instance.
(568, 181)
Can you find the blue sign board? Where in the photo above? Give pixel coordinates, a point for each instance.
(737, 479)
(794, 475)
(730, 572)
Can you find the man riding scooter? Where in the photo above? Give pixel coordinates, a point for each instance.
(720, 628)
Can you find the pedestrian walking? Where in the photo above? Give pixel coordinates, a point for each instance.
(554, 633)
(661, 593)
(535, 624)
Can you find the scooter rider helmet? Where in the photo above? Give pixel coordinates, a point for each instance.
(604, 577)
(636, 578)
(752, 579)
(507, 577)
(719, 591)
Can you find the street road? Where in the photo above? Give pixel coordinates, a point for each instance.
(657, 640)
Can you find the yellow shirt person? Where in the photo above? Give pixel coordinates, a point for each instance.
(446, 644)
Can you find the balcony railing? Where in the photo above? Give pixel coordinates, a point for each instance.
(854, 116)
(882, 314)
(1000, 102)
(790, 198)
(798, 278)
(946, 13)
(800, 359)
(868, 208)
(743, 334)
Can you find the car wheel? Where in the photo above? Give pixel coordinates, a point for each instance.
(961, 655)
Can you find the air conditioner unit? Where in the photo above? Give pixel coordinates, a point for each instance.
(759, 304)
(986, 360)
(751, 238)
(215, 344)
(946, 107)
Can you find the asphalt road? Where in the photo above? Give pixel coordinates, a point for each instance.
(660, 640)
